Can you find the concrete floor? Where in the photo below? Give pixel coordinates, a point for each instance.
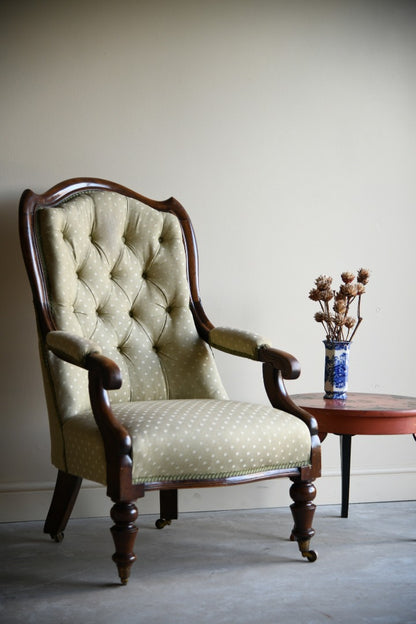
(222, 567)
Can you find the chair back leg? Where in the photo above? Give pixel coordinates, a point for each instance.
(65, 494)
(168, 507)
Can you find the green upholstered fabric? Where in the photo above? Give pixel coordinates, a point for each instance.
(192, 439)
(116, 275)
(237, 342)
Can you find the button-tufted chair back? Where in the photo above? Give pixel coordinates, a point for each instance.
(116, 274)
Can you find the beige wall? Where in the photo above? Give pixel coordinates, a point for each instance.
(287, 129)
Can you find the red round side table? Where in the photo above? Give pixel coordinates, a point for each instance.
(358, 414)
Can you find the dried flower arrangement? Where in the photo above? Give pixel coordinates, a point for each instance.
(339, 325)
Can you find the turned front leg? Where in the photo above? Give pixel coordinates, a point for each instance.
(303, 509)
(124, 534)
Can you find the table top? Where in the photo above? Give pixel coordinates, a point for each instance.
(361, 413)
(382, 404)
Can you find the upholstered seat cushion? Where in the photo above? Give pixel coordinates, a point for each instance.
(192, 439)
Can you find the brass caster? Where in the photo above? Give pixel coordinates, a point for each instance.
(311, 555)
(124, 574)
(161, 523)
(57, 537)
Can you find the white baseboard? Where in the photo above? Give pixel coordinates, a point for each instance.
(30, 501)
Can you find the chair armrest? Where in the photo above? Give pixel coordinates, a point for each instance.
(85, 353)
(277, 366)
(71, 347)
(255, 347)
(237, 342)
(103, 375)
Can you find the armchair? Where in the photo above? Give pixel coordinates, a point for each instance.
(135, 401)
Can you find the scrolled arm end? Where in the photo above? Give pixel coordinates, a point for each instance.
(106, 369)
(280, 360)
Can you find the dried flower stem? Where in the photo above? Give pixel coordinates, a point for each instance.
(356, 327)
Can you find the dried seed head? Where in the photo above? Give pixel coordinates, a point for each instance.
(348, 290)
(326, 295)
(323, 282)
(320, 317)
(363, 276)
(314, 294)
(349, 322)
(347, 277)
(340, 305)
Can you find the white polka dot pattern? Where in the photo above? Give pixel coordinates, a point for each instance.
(193, 439)
(116, 274)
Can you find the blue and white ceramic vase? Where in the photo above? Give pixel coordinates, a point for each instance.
(336, 369)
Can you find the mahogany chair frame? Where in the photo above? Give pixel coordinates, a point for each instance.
(105, 375)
